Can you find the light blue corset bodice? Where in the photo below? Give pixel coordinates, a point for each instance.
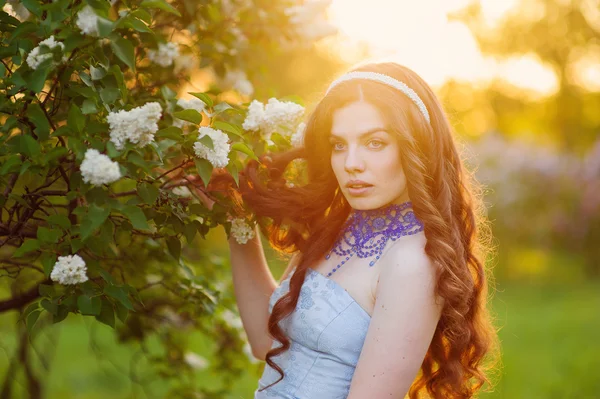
(327, 331)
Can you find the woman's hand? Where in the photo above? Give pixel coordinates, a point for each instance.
(178, 178)
(196, 186)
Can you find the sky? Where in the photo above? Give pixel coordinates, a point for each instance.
(419, 35)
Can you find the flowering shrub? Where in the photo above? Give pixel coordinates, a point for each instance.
(96, 144)
(539, 197)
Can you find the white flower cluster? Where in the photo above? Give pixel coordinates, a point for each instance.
(185, 62)
(98, 169)
(182, 191)
(137, 125)
(297, 138)
(234, 321)
(221, 147)
(193, 103)
(16, 9)
(87, 21)
(69, 269)
(41, 54)
(231, 319)
(255, 116)
(282, 117)
(241, 231)
(165, 54)
(238, 80)
(195, 361)
(310, 21)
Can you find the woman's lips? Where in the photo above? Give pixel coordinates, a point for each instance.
(358, 191)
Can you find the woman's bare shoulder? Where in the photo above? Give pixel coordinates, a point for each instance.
(407, 255)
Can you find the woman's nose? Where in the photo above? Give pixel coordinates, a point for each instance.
(354, 162)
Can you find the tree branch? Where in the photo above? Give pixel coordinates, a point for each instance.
(22, 300)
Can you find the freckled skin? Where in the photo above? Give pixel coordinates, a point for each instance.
(374, 159)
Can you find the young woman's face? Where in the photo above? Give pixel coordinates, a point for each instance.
(366, 158)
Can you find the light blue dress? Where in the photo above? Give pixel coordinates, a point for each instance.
(327, 331)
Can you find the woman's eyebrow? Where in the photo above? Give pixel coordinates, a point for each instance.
(367, 133)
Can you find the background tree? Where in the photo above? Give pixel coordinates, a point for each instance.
(563, 35)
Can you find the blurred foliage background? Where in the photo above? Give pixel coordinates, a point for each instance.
(536, 151)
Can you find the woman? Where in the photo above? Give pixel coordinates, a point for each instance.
(386, 293)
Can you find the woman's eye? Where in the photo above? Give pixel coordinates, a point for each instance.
(376, 143)
(337, 146)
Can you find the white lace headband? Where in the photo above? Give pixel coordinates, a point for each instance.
(385, 79)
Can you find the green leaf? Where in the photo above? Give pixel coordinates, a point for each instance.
(207, 141)
(37, 116)
(148, 192)
(167, 92)
(138, 25)
(89, 305)
(142, 14)
(174, 246)
(30, 308)
(31, 319)
(221, 107)
(106, 276)
(189, 230)
(97, 73)
(190, 115)
(48, 260)
(241, 147)
(93, 220)
(24, 167)
(110, 95)
(203, 97)
(28, 145)
(111, 150)
(105, 26)
(120, 294)
(135, 158)
(55, 153)
(107, 313)
(8, 164)
(227, 127)
(171, 132)
(205, 169)
(23, 28)
(89, 107)
(118, 74)
(49, 236)
(61, 221)
(137, 217)
(125, 51)
(122, 312)
(160, 4)
(280, 140)
(61, 313)
(38, 77)
(76, 245)
(89, 288)
(27, 246)
(33, 6)
(50, 306)
(234, 172)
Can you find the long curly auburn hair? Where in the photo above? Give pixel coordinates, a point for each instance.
(445, 197)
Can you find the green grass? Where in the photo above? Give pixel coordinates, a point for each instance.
(550, 341)
(549, 336)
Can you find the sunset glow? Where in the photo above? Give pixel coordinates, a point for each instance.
(419, 35)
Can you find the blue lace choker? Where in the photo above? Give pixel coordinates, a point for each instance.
(366, 233)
